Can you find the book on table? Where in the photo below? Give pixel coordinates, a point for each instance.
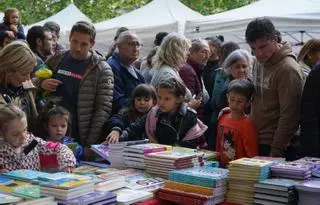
(127, 196)
(23, 189)
(91, 198)
(8, 199)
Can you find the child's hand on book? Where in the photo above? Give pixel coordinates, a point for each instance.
(113, 137)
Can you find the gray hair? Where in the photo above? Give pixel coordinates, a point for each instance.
(196, 44)
(172, 51)
(239, 54)
(124, 35)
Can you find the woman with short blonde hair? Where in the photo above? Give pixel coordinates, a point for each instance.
(16, 63)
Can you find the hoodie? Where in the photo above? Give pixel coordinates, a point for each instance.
(275, 107)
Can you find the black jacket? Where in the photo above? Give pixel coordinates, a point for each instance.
(310, 115)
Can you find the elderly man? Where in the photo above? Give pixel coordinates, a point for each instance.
(191, 72)
(126, 76)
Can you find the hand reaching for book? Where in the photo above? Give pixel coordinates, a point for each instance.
(113, 137)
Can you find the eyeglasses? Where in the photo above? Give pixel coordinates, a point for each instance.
(134, 44)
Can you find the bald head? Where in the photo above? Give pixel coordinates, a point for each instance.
(128, 46)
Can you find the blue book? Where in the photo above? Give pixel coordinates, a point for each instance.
(5, 180)
(210, 177)
(24, 174)
(91, 198)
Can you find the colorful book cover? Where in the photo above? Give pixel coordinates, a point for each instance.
(5, 180)
(102, 150)
(292, 167)
(172, 155)
(252, 162)
(145, 148)
(89, 198)
(24, 189)
(24, 174)
(141, 181)
(203, 176)
(65, 183)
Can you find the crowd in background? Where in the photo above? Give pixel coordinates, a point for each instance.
(199, 93)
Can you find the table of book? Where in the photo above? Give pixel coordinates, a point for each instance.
(145, 173)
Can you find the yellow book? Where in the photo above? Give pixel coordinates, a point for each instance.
(189, 188)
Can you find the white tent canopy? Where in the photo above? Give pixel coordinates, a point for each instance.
(1, 16)
(66, 18)
(158, 15)
(291, 18)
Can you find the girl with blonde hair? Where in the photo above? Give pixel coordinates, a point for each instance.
(16, 63)
(309, 55)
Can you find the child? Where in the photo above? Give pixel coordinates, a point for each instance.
(172, 122)
(57, 122)
(11, 25)
(143, 98)
(21, 150)
(236, 133)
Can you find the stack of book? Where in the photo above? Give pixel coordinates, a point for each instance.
(292, 170)
(66, 188)
(134, 154)
(116, 152)
(96, 197)
(197, 185)
(312, 160)
(309, 192)
(276, 191)
(110, 182)
(160, 163)
(243, 174)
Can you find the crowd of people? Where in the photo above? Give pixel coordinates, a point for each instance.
(200, 93)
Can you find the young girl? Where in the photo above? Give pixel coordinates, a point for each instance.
(11, 25)
(143, 98)
(171, 122)
(21, 150)
(57, 122)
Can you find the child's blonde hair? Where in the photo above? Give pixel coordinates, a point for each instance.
(16, 57)
(9, 112)
(7, 14)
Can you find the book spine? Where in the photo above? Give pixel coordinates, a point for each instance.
(189, 188)
(180, 199)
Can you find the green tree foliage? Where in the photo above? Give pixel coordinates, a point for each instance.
(99, 10)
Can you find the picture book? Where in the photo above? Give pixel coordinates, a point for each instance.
(127, 196)
(145, 148)
(141, 181)
(4, 180)
(90, 198)
(312, 160)
(251, 162)
(8, 199)
(67, 183)
(24, 174)
(20, 188)
(102, 150)
(291, 167)
(173, 155)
